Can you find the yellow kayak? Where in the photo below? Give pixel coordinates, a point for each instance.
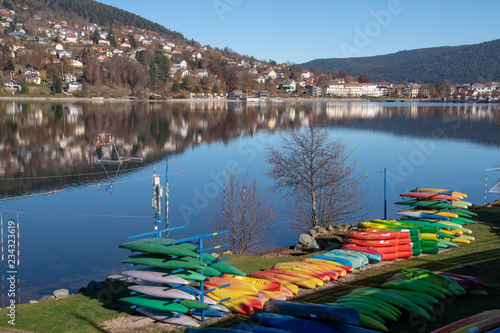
(435, 212)
(458, 240)
(429, 236)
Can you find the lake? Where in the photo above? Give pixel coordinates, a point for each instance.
(73, 212)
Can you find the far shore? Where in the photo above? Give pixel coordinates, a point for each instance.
(201, 100)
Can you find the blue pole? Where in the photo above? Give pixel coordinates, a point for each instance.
(385, 193)
(166, 197)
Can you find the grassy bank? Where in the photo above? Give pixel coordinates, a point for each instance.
(85, 312)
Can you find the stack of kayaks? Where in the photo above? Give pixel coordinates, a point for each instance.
(163, 285)
(440, 208)
(390, 245)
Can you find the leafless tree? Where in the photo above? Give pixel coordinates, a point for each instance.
(318, 177)
(245, 212)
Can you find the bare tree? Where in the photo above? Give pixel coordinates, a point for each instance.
(245, 212)
(318, 178)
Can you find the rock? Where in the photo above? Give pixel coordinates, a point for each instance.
(216, 255)
(313, 233)
(343, 227)
(32, 301)
(330, 243)
(308, 241)
(61, 293)
(298, 247)
(320, 230)
(93, 286)
(226, 253)
(330, 228)
(47, 297)
(116, 277)
(475, 206)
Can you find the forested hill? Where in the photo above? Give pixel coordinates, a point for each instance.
(93, 12)
(458, 64)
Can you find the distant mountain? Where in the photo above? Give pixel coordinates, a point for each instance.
(93, 12)
(458, 64)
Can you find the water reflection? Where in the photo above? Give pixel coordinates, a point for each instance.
(56, 139)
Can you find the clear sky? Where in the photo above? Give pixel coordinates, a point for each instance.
(299, 31)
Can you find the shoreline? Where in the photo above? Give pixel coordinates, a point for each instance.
(200, 100)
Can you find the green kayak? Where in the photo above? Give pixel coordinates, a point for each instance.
(162, 263)
(159, 246)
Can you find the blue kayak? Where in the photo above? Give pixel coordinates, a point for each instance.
(326, 312)
(339, 260)
(292, 324)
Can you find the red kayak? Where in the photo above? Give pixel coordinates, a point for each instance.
(390, 256)
(386, 249)
(378, 243)
(373, 235)
(428, 195)
(404, 241)
(405, 255)
(464, 277)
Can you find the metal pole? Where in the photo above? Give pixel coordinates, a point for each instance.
(485, 186)
(385, 193)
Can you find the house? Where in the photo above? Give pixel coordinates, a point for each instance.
(103, 42)
(125, 44)
(17, 34)
(102, 57)
(117, 52)
(76, 63)
(147, 42)
(74, 86)
(184, 73)
(305, 74)
(235, 94)
(314, 90)
(40, 40)
(202, 73)
(260, 79)
(269, 74)
(59, 47)
(289, 86)
(69, 77)
(32, 77)
(196, 55)
(36, 17)
(5, 24)
(70, 39)
(11, 86)
(280, 75)
(64, 54)
(411, 90)
(181, 65)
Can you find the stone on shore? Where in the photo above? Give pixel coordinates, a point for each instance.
(61, 293)
(47, 297)
(308, 241)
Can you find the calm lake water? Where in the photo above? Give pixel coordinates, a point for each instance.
(70, 237)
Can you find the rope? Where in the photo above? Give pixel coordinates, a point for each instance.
(64, 214)
(90, 186)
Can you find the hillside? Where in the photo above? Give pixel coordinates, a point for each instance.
(93, 12)
(466, 63)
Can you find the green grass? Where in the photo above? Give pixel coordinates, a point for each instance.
(481, 258)
(77, 313)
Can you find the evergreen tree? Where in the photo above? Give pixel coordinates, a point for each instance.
(96, 37)
(10, 65)
(215, 89)
(197, 89)
(176, 87)
(56, 85)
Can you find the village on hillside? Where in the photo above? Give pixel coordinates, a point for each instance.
(45, 57)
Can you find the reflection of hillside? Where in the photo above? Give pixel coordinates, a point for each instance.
(47, 140)
(469, 122)
(58, 139)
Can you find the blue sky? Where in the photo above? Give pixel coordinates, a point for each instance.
(298, 31)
